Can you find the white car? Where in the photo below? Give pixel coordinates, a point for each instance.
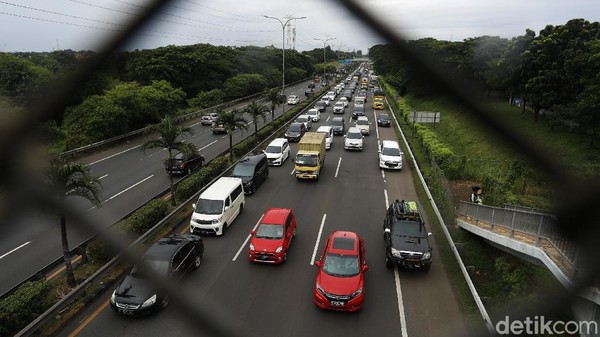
(339, 108)
(362, 123)
(328, 131)
(206, 120)
(306, 120)
(331, 95)
(353, 140)
(390, 155)
(277, 151)
(344, 100)
(326, 99)
(314, 114)
(293, 100)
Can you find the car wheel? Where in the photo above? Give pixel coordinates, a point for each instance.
(197, 261)
(165, 302)
(284, 257)
(294, 234)
(225, 227)
(241, 208)
(389, 263)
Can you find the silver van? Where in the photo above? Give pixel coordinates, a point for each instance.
(218, 206)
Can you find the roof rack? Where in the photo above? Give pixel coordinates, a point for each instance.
(406, 210)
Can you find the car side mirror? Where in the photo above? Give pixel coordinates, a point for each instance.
(194, 206)
(429, 234)
(318, 263)
(226, 208)
(387, 231)
(365, 267)
(253, 232)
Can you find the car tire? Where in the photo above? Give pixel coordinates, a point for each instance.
(389, 263)
(197, 261)
(284, 257)
(165, 302)
(225, 227)
(241, 208)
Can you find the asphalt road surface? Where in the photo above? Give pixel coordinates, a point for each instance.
(268, 300)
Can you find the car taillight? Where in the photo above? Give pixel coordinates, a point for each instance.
(182, 165)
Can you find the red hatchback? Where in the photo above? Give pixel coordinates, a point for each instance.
(341, 276)
(271, 239)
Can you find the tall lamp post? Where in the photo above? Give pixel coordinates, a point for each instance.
(324, 55)
(283, 24)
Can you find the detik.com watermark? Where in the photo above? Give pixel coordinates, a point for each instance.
(538, 325)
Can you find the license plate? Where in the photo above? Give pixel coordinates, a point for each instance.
(337, 303)
(126, 312)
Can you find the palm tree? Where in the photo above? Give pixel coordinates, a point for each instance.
(66, 180)
(256, 110)
(232, 120)
(169, 140)
(274, 97)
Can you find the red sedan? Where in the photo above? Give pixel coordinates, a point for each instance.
(272, 237)
(341, 275)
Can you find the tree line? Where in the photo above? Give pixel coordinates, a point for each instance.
(556, 72)
(137, 88)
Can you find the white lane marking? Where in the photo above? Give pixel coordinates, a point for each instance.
(125, 190)
(338, 167)
(293, 170)
(114, 155)
(376, 125)
(246, 241)
(14, 250)
(387, 201)
(152, 154)
(104, 176)
(400, 303)
(209, 144)
(327, 120)
(312, 259)
(383, 175)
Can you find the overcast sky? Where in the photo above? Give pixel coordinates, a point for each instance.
(47, 25)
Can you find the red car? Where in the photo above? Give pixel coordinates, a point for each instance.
(272, 237)
(341, 277)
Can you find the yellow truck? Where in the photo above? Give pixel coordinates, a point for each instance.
(310, 157)
(378, 101)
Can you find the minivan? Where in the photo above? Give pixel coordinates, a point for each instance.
(218, 206)
(253, 170)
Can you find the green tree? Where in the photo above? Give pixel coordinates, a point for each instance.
(207, 99)
(275, 99)
(170, 135)
(232, 120)
(243, 85)
(256, 111)
(20, 77)
(67, 180)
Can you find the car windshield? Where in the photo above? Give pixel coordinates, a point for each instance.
(354, 135)
(383, 117)
(207, 206)
(302, 119)
(325, 132)
(358, 108)
(411, 229)
(160, 267)
(337, 122)
(273, 149)
(390, 151)
(362, 122)
(294, 128)
(243, 170)
(341, 265)
(268, 231)
(311, 113)
(308, 160)
(339, 104)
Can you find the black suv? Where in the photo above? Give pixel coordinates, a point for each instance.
(338, 125)
(253, 170)
(173, 257)
(407, 241)
(184, 163)
(383, 120)
(295, 132)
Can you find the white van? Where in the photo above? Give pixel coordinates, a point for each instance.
(218, 206)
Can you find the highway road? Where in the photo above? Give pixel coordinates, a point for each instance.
(267, 300)
(129, 178)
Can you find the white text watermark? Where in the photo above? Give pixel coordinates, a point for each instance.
(538, 325)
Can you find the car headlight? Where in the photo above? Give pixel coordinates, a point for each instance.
(396, 252)
(113, 297)
(320, 289)
(426, 256)
(149, 301)
(217, 220)
(358, 292)
(279, 249)
(251, 247)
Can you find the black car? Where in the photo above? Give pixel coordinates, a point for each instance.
(321, 106)
(383, 120)
(348, 94)
(184, 163)
(407, 241)
(338, 125)
(173, 257)
(295, 132)
(253, 170)
(358, 110)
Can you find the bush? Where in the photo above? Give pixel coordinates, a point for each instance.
(98, 251)
(146, 216)
(196, 181)
(23, 306)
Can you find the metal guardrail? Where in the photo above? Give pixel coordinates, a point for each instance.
(538, 225)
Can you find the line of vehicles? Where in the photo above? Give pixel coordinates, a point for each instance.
(339, 282)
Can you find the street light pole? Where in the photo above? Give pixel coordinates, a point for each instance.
(283, 53)
(324, 55)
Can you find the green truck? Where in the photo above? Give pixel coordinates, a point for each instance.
(310, 157)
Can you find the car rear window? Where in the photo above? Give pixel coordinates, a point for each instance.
(343, 243)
